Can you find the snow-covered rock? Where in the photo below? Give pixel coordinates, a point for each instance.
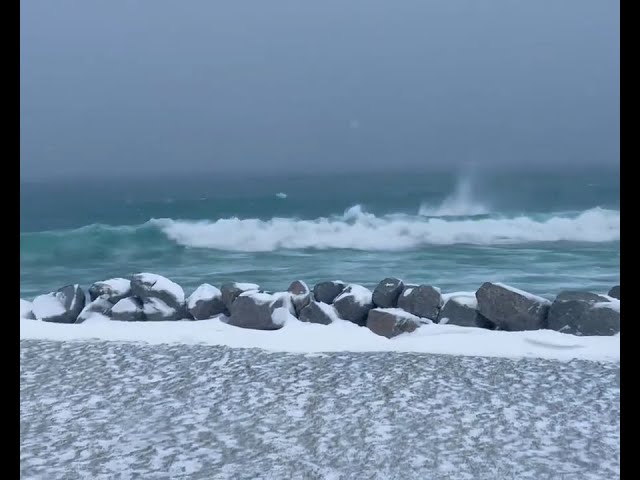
(114, 290)
(318, 312)
(354, 303)
(326, 292)
(128, 309)
(423, 301)
(156, 310)
(584, 313)
(461, 308)
(300, 295)
(512, 309)
(386, 294)
(62, 306)
(261, 311)
(205, 302)
(391, 322)
(146, 286)
(615, 292)
(231, 291)
(100, 306)
(26, 310)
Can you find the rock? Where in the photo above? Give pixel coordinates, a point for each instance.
(615, 292)
(423, 301)
(231, 291)
(460, 310)
(26, 310)
(205, 302)
(387, 292)
(62, 306)
(391, 322)
(128, 309)
(353, 304)
(300, 295)
(156, 310)
(146, 286)
(318, 312)
(114, 289)
(260, 311)
(511, 309)
(583, 313)
(100, 306)
(326, 292)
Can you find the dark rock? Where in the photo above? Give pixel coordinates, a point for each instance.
(317, 312)
(387, 292)
(156, 310)
(62, 306)
(326, 292)
(423, 301)
(100, 305)
(583, 313)
(205, 302)
(128, 309)
(114, 290)
(615, 292)
(458, 311)
(258, 311)
(147, 286)
(231, 291)
(511, 309)
(353, 304)
(300, 295)
(391, 322)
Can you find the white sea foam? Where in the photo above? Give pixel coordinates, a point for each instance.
(359, 230)
(462, 202)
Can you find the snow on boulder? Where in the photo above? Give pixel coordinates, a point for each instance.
(260, 311)
(26, 310)
(146, 286)
(615, 292)
(511, 309)
(128, 309)
(584, 313)
(156, 310)
(231, 291)
(100, 306)
(423, 301)
(205, 302)
(354, 303)
(326, 292)
(391, 322)
(62, 306)
(318, 312)
(461, 308)
(300, 295)
(387, 292)
(114, 289)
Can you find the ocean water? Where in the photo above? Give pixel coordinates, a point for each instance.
(541, 231)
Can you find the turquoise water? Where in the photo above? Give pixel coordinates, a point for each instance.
(539, 231)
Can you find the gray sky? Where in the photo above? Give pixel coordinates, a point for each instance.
(160, 86)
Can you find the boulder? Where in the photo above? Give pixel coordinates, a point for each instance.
(128, 309)
(100, 306)
(300, 295)
(146, 286)
(511, 309)
(62, 306)
(26, 310)
(326, 292)
(114, 290)
(460, 310)
(156, 310)
(318, 312)
(583, 313)
(387, 292)
(231, 291)
(205, 302)
(260, 311)
(353, 304)
(423, 301)
(615, 292)
(391, 322)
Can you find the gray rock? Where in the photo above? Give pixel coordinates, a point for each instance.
(583, 313)
(615, 292)
(300, 295)
(391, 322)
(317, 312)
(128, 309)
(457, 312)
(510, 309)
(100, 305)
(156, 310)
(147, 286)
(422, 301)
(62, 306)
(326, 292)
(205, 302)
(353, 304)
(231, 291)
(114, 289)
(387, 292)
(256, 311)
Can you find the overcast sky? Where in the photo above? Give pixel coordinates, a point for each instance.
(158, 86)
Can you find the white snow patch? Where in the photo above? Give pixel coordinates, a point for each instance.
(26, 309)
(530, 296)
(163, 284)
(259, 297)
(247, 286)
(48, 305)
(329, 311)
(360, 294)
(468, 299)
(341, 335)
(155, 305)
(407, 292)
(613, 304)
(282, 315)
(119, 286)
(203, 292)
(125, 305)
